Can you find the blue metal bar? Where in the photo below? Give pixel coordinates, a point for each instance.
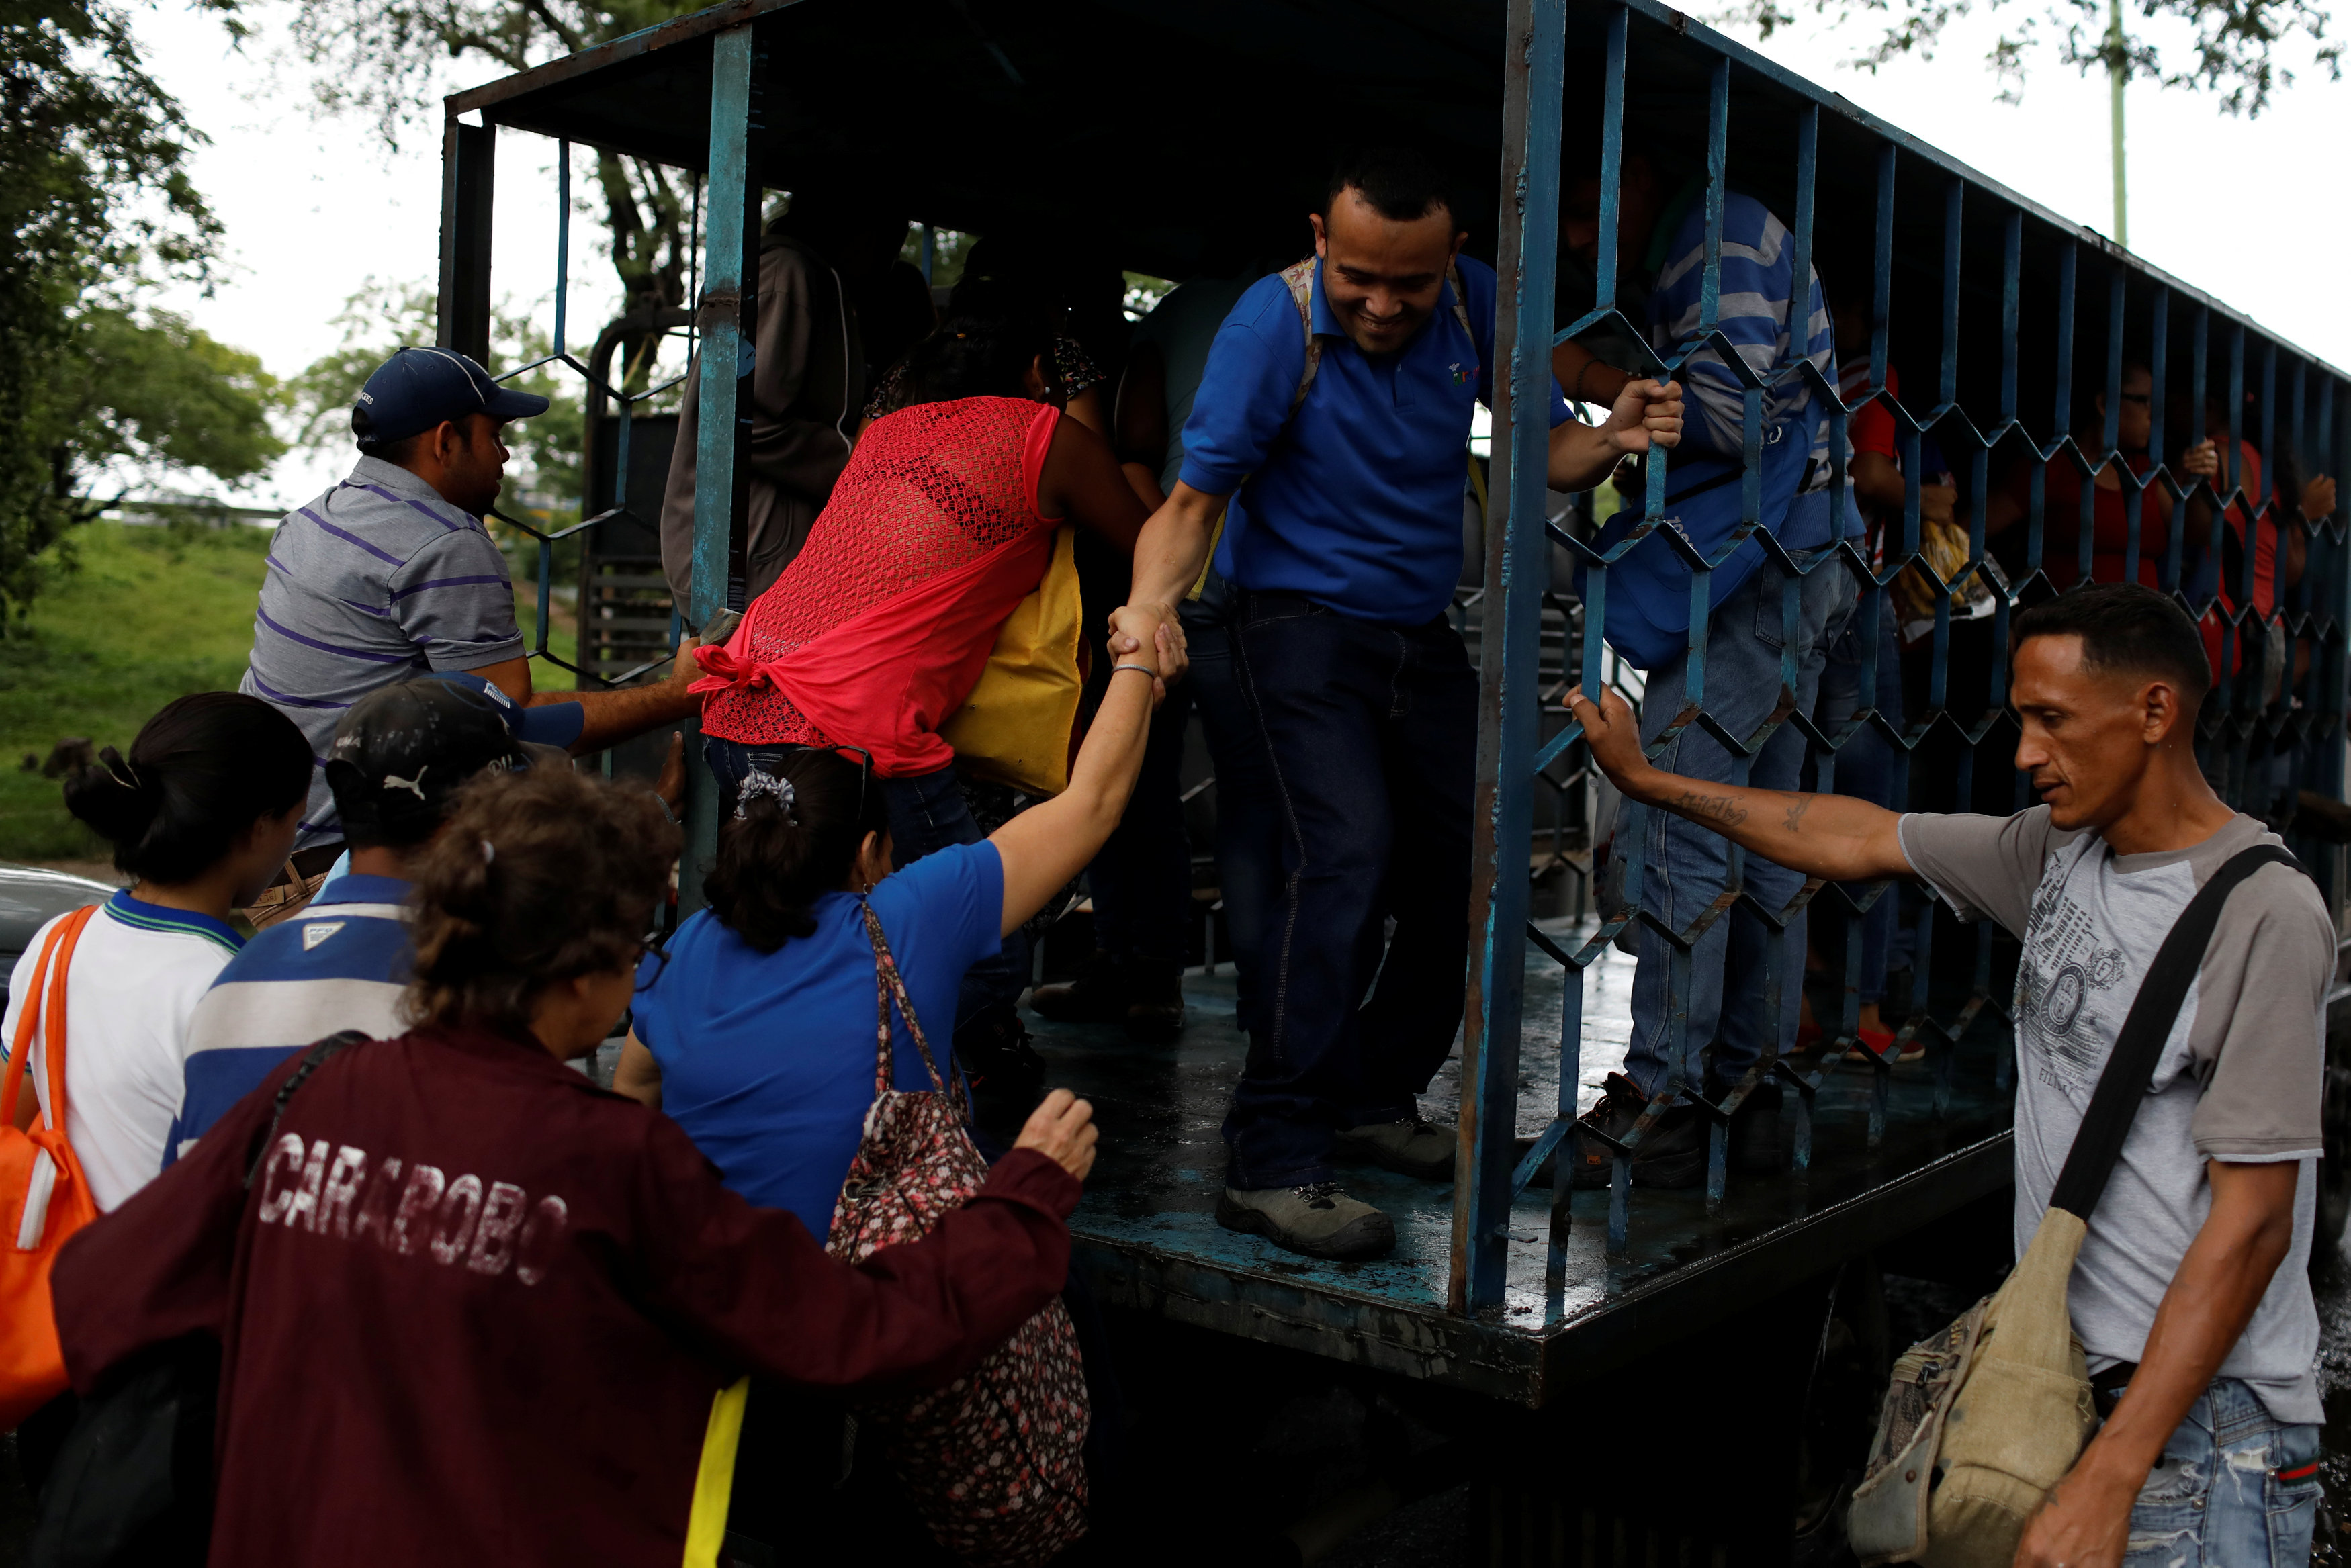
(1510, 658)
(1718, 155)
(1954, 216)
(725, 347)
(2068, 255)
(2112, 436)
(1612, 157)
(930, 252)
(562, 238)
(2012, 280)
(1881, 311)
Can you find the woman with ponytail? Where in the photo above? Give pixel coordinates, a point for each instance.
(202, 815)
(473, 1308)
(755, 1029)
(879, 627)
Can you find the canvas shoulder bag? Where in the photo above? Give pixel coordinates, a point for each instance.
(994, 1462)
(44, 1196)
(1984, 1418)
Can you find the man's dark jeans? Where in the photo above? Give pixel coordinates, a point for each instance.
(1142, 880)
(1371, 731)
(927, 812)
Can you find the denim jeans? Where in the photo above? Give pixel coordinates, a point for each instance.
(1684, 867)
(2234, 1488)
(1864, 768)
(926, 812)
(1372, 733)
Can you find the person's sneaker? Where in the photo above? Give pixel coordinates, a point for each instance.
(1154, 1008)
(1671, 1154)
(1409, 1147)
(1100, 994)
(1318, 1219)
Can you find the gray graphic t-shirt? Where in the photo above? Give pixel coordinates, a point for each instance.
(2239, 1080)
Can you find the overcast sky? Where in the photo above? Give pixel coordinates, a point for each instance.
(315, 207)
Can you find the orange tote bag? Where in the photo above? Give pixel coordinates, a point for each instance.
(44, 1197)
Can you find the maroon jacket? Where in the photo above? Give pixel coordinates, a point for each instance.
(477, 1309)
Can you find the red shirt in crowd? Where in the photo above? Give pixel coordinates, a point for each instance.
(2265, 551)
(2110, 529)
(881, 624)
(476, 1310)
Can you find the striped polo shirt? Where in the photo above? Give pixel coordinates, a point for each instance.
(342, 963)
(372, 582)
(1771, 318)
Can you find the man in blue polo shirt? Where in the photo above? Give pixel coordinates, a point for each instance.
(1333, 438)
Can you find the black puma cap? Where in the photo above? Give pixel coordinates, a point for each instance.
(403, 751)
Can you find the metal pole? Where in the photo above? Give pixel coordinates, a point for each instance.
(728, 317)
(469, 162)
(1517, 572)
(2118, 73)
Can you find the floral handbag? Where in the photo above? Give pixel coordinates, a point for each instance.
(994, 1462)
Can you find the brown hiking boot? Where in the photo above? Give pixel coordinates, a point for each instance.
(1409, 1147)
(1318, 1219)
(1671, 1154)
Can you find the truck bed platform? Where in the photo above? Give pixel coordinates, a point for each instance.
(1147, 1236)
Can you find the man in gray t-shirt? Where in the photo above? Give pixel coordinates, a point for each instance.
(2190, 1292)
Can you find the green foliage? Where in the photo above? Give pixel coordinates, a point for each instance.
(95, 393)
(153, 614)
(2234, 51)
(379, 59)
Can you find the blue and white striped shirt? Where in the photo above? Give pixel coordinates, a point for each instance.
(372, 582)
(342, 963)
(1758, 286)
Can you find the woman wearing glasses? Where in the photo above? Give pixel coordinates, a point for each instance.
(755, 1029)
(470, 1307)
(879, 627)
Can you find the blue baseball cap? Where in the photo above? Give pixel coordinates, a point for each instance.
(554, 724)
(417, 388)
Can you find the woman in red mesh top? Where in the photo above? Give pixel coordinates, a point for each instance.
(879, 629)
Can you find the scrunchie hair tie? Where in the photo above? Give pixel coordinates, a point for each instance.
(766, 783)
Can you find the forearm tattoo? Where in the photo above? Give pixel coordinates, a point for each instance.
(1796, 809)
(1719, 808)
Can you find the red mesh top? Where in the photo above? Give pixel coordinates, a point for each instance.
(929, 489)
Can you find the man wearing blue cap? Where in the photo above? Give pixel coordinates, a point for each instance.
(391, 571)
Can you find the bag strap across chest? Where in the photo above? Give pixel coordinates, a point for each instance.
(2139, 1045)
(1299, 278)
(889, 986)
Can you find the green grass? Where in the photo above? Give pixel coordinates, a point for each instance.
(150, 614)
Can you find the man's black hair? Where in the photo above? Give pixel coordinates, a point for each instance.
(1401, 182)
(2126, 626)
(399, 451)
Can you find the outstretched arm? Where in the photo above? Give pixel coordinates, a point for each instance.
(1831, 835)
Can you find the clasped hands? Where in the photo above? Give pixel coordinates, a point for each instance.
(1149, 634)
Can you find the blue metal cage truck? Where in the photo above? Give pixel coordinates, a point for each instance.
(1599, 1376)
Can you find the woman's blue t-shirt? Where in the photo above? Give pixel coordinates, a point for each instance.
(766, 1059)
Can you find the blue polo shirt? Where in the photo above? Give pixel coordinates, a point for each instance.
(1355, 503)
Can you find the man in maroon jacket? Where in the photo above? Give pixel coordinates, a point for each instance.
(474, 1308)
